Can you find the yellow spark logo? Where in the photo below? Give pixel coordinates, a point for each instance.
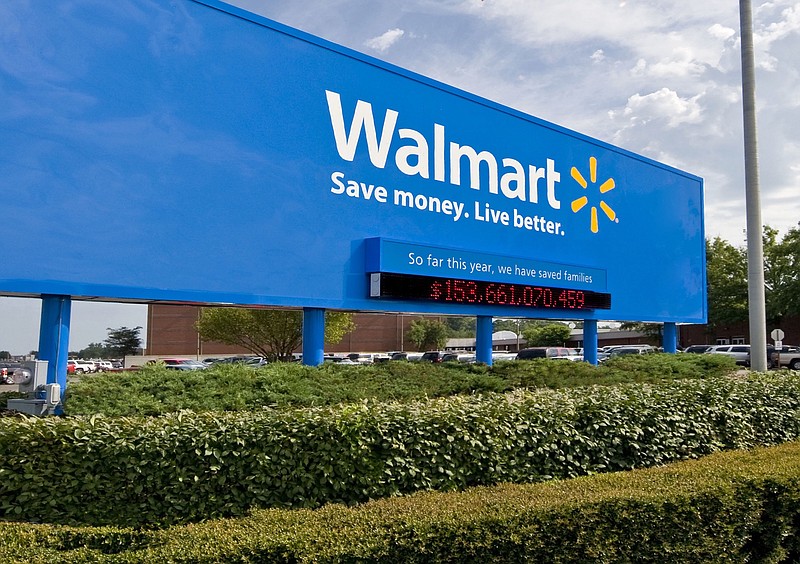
(606, 186)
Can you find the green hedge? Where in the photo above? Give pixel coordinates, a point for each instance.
(189, 467)
(156, 390)
(741, 506)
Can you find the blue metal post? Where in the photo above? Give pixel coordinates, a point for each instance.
(313, 336)
(670, 343)
(54, 338)
(590, 341)
(483, 339)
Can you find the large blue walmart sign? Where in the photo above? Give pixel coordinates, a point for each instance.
(191, 151)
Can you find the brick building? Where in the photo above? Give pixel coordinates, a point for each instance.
(171, 331)
(735, 333)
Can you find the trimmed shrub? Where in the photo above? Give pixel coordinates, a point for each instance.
(729, 507)
(188, 467)
(156, 390)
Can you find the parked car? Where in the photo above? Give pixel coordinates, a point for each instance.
(560, 353)
(80, 366)
(409, 356)
(102, 365)
(789, 357)
(247, 360)
(7, 371)
(179, 363)
(696, 349)
(458, 356)
(621, 351)
(503, 355)
(337, 359)
(432, 356)
(363, 358)
(740, 353)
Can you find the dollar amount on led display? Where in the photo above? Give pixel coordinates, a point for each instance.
(479, 292)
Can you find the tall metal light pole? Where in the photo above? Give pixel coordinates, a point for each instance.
(755, 245)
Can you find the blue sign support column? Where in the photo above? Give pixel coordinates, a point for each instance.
(590, 341)
(313, 336)
(54, 338)
(670, 338)
(483, 339)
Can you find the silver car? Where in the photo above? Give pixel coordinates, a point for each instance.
(740, 353)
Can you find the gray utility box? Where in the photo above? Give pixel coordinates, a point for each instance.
(43, 398)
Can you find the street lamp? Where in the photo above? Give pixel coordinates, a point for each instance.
(755, 248)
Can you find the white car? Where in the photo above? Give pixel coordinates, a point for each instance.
(740, 353)
(81, 366)
(103, 365)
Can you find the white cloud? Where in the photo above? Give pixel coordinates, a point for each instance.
(386, 40)
(664, 105)
(719, 31)
(683, 64)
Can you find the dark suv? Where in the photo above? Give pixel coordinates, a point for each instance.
(432, 356)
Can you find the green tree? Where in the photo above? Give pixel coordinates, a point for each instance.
(5, 355)
(549, 335)
(515, 325)
(272, 333)
(95, 350)
(726, 270)
(781, 274)
(460, 327)
(427, 334)
(122, 341)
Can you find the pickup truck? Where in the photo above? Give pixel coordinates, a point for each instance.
(789, 355)
(81, 366)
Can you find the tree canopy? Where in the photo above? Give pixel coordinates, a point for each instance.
(550, 334)
(272, 333)
(781, 274)
(460, 327)
(427, 334)
(726, 273)
(122, 341)
(726, 268)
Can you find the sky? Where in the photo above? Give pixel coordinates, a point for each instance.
(661, 78)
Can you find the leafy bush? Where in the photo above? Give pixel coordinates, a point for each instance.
(187, 466)
(730, 507)
(156, 390)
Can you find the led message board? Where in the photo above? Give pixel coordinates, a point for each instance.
(477, 292)
(187, 150)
